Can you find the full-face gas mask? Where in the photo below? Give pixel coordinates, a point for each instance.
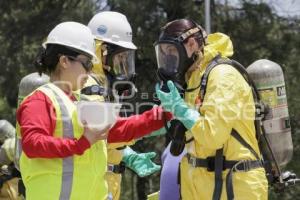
(119, 66)
(172, 59)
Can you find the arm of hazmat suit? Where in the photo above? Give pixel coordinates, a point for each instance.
(219, 110)
(140, 163)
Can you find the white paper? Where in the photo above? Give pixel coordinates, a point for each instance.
(98, 115)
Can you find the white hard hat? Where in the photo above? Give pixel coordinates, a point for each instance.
(112, 27)
(74, 35)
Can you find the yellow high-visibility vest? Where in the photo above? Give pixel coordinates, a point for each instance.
(75, 177)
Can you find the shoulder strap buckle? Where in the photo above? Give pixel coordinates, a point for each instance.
(193, 161)
(241, 166)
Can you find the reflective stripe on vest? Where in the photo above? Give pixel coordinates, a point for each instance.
(68, 163)
(18, 151)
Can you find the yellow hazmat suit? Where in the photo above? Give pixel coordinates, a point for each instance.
(153, 196)
(9, 189)
(228, 104)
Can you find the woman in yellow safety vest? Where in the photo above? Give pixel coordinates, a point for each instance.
(61, 159)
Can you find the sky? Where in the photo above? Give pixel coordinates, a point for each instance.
(285, 8)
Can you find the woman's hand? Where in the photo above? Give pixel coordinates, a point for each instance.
(93, 135)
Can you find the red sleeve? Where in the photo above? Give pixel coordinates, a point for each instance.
(136, 126)
(36, 117)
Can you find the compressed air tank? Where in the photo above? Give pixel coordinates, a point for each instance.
(269, 80)
(31, 82)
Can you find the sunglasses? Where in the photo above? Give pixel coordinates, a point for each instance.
(87, 64)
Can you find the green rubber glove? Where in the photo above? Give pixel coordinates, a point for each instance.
(172, 102)
(140, 163)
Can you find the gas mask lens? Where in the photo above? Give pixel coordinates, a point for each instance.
(167, 57)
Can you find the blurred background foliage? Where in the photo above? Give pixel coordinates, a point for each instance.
(255, 28)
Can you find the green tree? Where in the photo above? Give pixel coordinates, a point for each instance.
(24, 25)
(257, 32)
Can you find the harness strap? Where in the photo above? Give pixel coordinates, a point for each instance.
(234, 166)
(220, 164)
(204, 79)
(241, 166)
(219, 160)
(239, 138)
(238, 165)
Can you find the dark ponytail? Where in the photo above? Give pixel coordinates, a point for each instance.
(47, 59)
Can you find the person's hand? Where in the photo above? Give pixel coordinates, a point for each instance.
(93, 135)
(168, 99)
(141, 163)
(172, 102)
(144, 166)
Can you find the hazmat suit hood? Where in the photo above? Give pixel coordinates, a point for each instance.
(217, 43)
(98, 71)
(96, 82)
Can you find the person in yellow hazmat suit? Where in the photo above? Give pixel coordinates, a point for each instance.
(217, 164)
(116, 73)
(9, 175)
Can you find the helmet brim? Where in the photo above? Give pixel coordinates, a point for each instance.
(127, 45)
(90, 53)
